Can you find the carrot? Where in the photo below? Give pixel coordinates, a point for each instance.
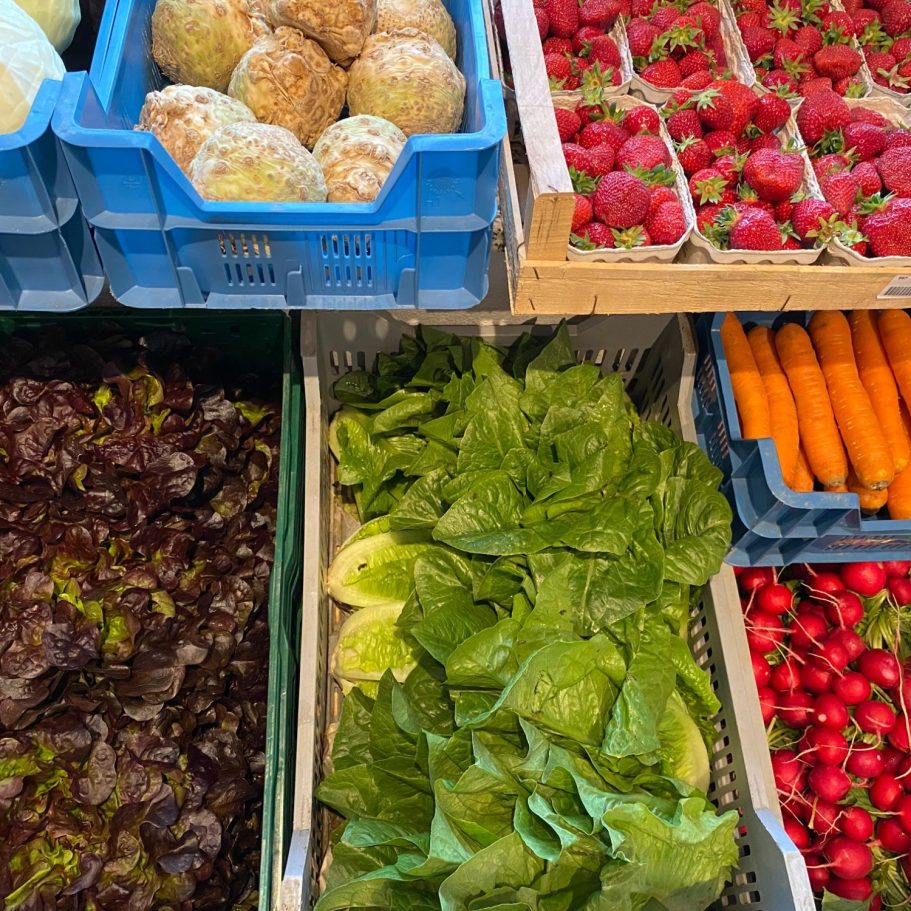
(871, 501)
(838, 488)
(879, 381)
(861, 431)
(802, 481)
(782, 410)
(749, 391)
(895, 331)
(899, 504)
(819, 432)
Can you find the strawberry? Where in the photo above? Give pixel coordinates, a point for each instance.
(668, 224)
(719, 140)
(641, 35)
(694, 62)
(707, 186)
(621, 200)
(881, 64)
(898, 139)
(604, 50)
(659, 195)
(783, 210)
(774, 175)
(832, 163)
(754, 229)
(662, 73)
(729, 166)
(600, 13)
(837, 61)
(583, 38)
(684, 123)
(764, 141)
(582, 214)
(814, 86)
(864, 19)
(707, 16)
(841, 189)
(849, 87)
(705, 217)
(543, 21)
(772, 112)
(811, 218)
(866, 115)
(643, 151)
(641, 119)
(601, 160)
(715, 110)
(603, 132)
(561, 46)
(896, 16)
(866, 140)
(744, 102)
(568, 124)
(788, 55)
(750, 20)
(559, 70)
(901, 48)
(820, 113)
(894, 166)
(868, 178)
(564, 17)
(779, 80)
(838, 23)
(632, 237)
(759, 42)
(664, 17)
(594, 235)
(576, 156)
(698, 81)
(693, 155)
(889, 231)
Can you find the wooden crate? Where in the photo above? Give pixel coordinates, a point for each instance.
(537, 215)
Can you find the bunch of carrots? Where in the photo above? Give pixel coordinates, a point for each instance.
(835, 400)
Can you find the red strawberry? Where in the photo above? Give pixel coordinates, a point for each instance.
(809, 39)
(708, 186)
(693, 155)
(694, 62)
(659, 194)
(820, 113)
(564, 17)
(788, 54)
(901, 48)
(641, 35)
(894, 166)
(783, 210)
(832, 163)
(772, 112)
(719, 140)
(814, 86)
(765, 141)
(889, 231)
(641, 7)
(862, 19)
(684, 123)
(568, 124)
(561, 46)
(582, 214)
(698, 81)
(559, 70)
(837, 61)
(715, 110)
(744, 102)
(811, 218)
(866, 140)
(841, 190)
(896, 15)
(754, 229)
(604, 51)
(866, 115)
(543, 21)
(576, 156)
(643, 151)
(664, 17)
(707, 16)
(776, 80)
(718, 50)
(641, 119)
(759, 41)
(601, 160)
(750, 20)
(603, 132)
(662, 73)
(621, 200)
(595, 235)
(868, 178)
(602, 13)
(774, 175)
(705, 217)
(881, 64)
(849, 86)
(729, 166)
(898, 139)
(837, 21)
(668, 224)
(584, 37)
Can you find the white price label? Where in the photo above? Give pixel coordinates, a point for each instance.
(900, 286)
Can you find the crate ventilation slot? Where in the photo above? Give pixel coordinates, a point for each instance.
(347, 260)
(248, 260)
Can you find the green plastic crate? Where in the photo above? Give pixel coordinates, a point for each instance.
(257, 340)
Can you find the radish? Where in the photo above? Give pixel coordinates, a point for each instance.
(845, 610)
(765, 631)
(885, 792)
(866, 579)
(824, 817)
(831, 654)
(808, 630)
(796, 806)
(817, 871)
(824, 585)
(852, 689)
(788, 770)
(797, 833)
(865, 761)
(794, 708)
(898, 736)
(768, 700)
(848, 859)
(901, 694)
(816, 678)
(824, 746)
(874, 717)
(756, 577)
(829, 783)
(775, 599)
(857, 824)
(904, 813)
(900, 590)
(762, 670)
(830, 712)
(900, 568)
(892, 759)
(855, 889)
(880, 667)
(785, 676)
(854, 645)
(892, 836)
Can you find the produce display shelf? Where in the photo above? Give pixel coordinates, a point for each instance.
(48, 260)
(267, 339)
(774, 525)
(423, 243)
(656, 356)
(537, 223)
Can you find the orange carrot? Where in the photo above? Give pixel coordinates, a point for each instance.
(899, 504)
(838, 488)
(782, 410)
(895, 331)
(749, 392)
(819, 432)
(860, 429)
(877, 378)
(802, 481)
(871, 501)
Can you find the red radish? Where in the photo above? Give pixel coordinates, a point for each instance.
(785, 677)
(900, 568)
(829, 782)
(756, 577)
(830, 712)
(866, 579)
(874, 717)
(855, 889)
(817, 871)
(796, 806)
(901, 695)
(846, 610)
(898, 736)
(825, 746)
(824, 817)
(900, 590)
(880, 667)
(768, 702)
(848, 859)
(904, 813)
(892, 758)
(797, 833)
(808, 630)
(892, 836)
(905, 864)
(794, 708)
(788, 770)
(885, 792)
(823, 585)
(852, 689)
(865, 761)
(831, 654)
(764, 631)
(816, 679)
(762, 670)
(857, 824)
(776, 599)
(854, 645)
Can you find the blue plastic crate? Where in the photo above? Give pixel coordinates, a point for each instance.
(773, 525)
(47, 258)
(424, 242)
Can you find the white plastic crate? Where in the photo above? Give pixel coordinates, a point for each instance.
(656, 356)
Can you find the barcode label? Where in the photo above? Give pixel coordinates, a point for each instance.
(900, 286)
